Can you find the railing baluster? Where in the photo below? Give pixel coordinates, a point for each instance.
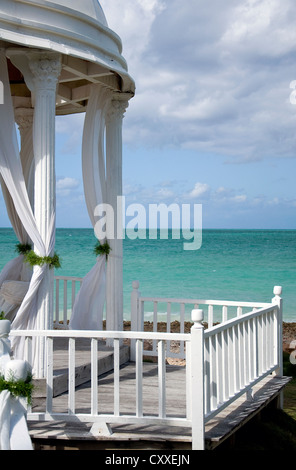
(241, 356)
(94, 376)
(245, 353)
(57, 302)
(219, 368)
(65, 313)
(161, 380)
(210, 316)
(71, 404)
(168, 325)
(116, 377)
(224, 313)
(236, 358)
(253, 348)
(139, 378)
(207, 373)
(73, 293)
(213, 372)
(155, 308)
(182, 320)
(28, 349)
(49, 375)
(260, 345)
(265, 343)
(250, 350)
(225, 352)
(275, 333)
(231, 362)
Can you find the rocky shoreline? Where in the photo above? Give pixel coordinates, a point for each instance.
(289, 335)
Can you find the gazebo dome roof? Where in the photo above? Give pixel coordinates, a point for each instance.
(78, 30)
(91, 8)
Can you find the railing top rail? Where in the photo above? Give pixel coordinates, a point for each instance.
(68, 278)
(228, 303)
(237, 320)
(103, 334)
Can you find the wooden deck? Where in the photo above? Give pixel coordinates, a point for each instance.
(78, 435)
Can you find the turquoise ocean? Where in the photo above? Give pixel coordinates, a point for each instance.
(241, 265)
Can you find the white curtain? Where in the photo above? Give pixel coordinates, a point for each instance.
(15, 269)
(89, 304)
(13, 177)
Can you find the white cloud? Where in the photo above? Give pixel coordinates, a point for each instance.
(198, 190)
(239, 198)
(214, 82)
(66, 185)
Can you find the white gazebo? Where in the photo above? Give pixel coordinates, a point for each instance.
(59, 57)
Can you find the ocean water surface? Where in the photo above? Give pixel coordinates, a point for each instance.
(239, 265)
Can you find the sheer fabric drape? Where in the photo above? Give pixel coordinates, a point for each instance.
(89, 304)
(12, 174)
(15, 269)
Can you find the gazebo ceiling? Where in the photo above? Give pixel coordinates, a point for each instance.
(77, 29)
(74, 84)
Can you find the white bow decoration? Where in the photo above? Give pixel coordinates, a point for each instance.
(14, 433)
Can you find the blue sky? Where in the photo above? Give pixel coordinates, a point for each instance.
(212, 121)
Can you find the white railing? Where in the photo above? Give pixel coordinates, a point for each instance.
(222, 363)
(65, 291)
(168, 310)
(238, 354)
(138, 415)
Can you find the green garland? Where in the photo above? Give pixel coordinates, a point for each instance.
(23, 248)
(34, 260)
(102, 249)
(19, 388)
(2, 315)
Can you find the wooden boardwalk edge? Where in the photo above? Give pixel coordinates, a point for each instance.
(234, 418)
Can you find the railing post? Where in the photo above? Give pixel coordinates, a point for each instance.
(197, 380)
(277, 300)
(135, 317)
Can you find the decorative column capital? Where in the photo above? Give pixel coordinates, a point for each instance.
(46, 68)
(116, 110)
(24, 117)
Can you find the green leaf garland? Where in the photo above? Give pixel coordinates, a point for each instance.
(23, 248)
(102, 249)
(18, 388)
(34, 260)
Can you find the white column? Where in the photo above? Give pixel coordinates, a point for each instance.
(45, 68)
(114, 282)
